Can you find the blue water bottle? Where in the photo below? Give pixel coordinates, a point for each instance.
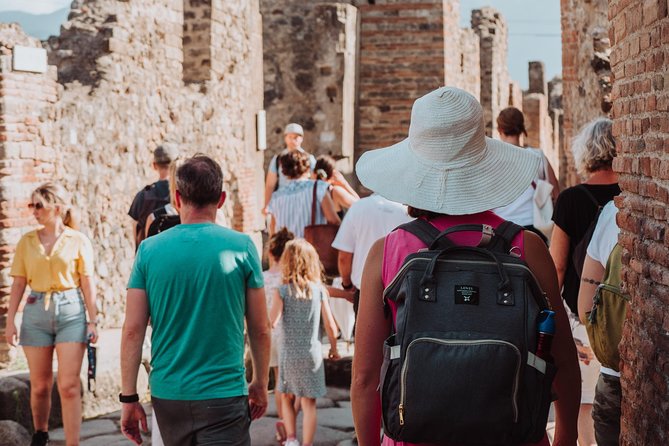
(546, 332)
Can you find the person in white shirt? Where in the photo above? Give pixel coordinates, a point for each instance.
(608, 394)
(366, 221)
(293, 135)
(511, 125)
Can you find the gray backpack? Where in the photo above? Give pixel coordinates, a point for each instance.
(459, 368)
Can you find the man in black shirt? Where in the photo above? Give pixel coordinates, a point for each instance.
(154, 195)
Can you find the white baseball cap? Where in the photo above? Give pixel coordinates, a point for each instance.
(293, 128)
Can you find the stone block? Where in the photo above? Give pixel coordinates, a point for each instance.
(56, 415)
(337, 418)
(92, 428)
(13, 433)
(15, 401)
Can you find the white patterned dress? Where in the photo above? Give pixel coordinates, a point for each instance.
(272, 282)
(301, 369)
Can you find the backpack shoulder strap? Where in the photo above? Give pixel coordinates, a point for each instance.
(504, 235)
(422, 229)
(589, 194)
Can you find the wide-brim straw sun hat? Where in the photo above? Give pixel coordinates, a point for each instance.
(447, 165)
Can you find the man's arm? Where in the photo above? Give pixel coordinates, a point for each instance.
(345, 266)
(132, 338)
(258, 327)
(270, 185)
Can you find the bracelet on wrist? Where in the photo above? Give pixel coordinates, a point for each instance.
(348, 287)
(128, 398)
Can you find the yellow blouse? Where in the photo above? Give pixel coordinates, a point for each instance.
(71, 257)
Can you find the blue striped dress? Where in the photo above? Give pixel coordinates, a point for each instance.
(291, 205)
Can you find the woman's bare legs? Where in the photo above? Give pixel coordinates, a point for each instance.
(70, 358)
(289, 414)
(309, 420)
(40, 363)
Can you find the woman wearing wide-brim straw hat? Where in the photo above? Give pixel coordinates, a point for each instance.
(449, 173)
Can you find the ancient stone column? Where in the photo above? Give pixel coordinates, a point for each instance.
(491, 29)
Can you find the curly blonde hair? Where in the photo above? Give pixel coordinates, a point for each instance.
(594, 147)
(301, 266)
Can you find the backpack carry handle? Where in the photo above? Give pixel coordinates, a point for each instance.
(487, 233)
(504, 291)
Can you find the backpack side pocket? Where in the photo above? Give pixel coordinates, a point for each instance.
(536, 399)
(389, 386)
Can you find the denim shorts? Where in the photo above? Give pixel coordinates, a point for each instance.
(63, 321)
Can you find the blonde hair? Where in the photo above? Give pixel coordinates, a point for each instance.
(300, 266)
(594, 147)
(172, 179)
(53, 194)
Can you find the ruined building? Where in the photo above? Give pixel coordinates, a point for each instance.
(350, 71)
(121, 78)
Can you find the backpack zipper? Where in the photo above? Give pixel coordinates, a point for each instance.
(458, 342)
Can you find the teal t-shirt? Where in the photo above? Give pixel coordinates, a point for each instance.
(195, 277)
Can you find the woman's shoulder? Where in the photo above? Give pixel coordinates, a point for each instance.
(30, 235)
(74, 233)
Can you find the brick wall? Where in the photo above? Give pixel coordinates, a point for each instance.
(639, 35)
(97, 138)
(585, 72)
(27, 134)
(393, 73)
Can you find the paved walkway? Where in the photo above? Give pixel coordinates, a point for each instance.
(335, 425)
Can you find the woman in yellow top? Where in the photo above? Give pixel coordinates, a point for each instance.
(56, 262)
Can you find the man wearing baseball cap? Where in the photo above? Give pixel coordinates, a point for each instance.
(293, 135)
(154, 195)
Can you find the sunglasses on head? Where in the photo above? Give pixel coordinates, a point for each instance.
(37, 205)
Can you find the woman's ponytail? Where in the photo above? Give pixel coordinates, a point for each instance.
(71, 219)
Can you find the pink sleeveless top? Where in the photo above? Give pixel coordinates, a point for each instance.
(399, 244)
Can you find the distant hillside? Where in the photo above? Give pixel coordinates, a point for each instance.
(41, 26)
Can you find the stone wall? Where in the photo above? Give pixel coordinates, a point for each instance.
(196, 42)
(461, 52)
(639, 35)
(585, 71)
(491, 29)
(122, 95)
(543, 129)
(310, 57)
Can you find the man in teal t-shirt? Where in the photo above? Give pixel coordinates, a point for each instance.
(197, 282)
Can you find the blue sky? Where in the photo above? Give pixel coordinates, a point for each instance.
(34, 6)
(533, 29)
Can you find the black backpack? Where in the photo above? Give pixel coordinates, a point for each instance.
(460, 366)
(162, 222)
(151, 200)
